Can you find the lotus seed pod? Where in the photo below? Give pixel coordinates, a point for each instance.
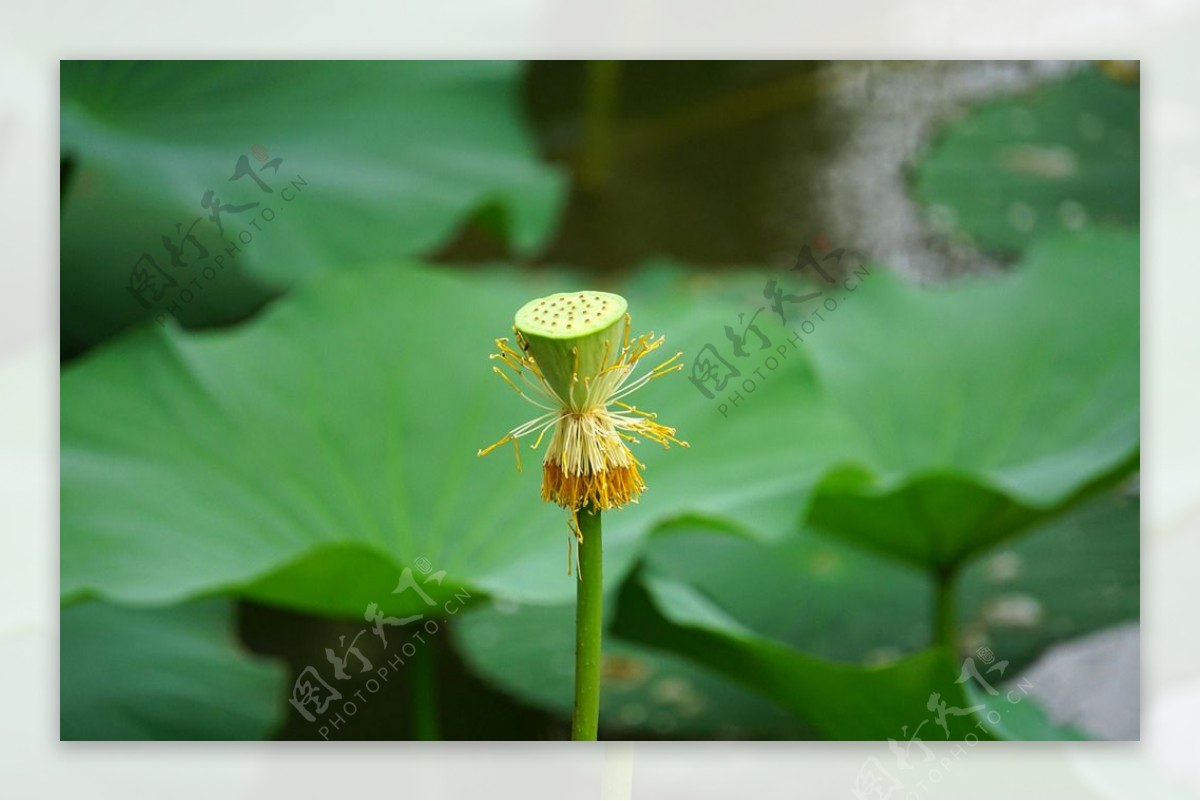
(573, 336)
(576, 363)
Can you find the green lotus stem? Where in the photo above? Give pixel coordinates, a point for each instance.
(589, 623)
(945, 612)
(595, 160)
(424, 698)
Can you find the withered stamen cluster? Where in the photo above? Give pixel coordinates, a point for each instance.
(588, 462)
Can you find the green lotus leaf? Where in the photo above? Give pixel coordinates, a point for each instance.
(738, 612)
(175, 673)
(987, 405)
(344, 162)
(1063, 157)
(311, 456)
(526, 651)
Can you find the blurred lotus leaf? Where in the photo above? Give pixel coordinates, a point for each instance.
(176, 673)
(311, 456)
(240, 460)
(525, 650)
(1062, 157)
(1068, 577)
(741, 623)
(987, 405)
(196, 190)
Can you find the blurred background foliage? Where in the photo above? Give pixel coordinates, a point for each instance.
(942, 467)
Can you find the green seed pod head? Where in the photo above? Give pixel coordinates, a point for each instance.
(554, 326)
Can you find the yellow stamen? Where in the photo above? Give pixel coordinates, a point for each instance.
(587, 461)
